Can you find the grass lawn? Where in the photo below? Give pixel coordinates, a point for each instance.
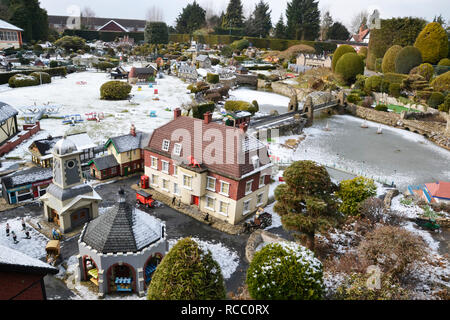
(399, 109)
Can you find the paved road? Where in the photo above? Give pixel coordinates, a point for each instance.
(178, 225)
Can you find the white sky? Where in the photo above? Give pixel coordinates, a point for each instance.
(341, 10)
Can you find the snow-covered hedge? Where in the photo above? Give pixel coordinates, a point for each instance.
(42, 75)
(285, 270)
(21, 80)
(115, 90)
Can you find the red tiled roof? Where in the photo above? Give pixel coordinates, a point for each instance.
(202, 146)
(361, 35)
(440, 189)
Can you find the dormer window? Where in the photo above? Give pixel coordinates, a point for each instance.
(177, 149)
(165, 145)
(255, 161)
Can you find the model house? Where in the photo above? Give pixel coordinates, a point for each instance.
(10, 35)
(41, 150)
(62, 23)
(187, 72)
(29, 184)
(8, 122)
(203, 61)
(69, 202)
(435, 192)
(21, 276)
(228, 179)
(120, 250)
(112, 26)
(313, 60)
(125, 156)
(142, 75)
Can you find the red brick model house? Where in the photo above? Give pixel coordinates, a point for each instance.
(21, 276)
(231, 177)
(112, 26)
(125, 156)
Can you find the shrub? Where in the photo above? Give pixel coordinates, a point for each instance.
(444, 62)
(363, 52)
(432, 43)
(340, 51)
(21, 80)
(212, 78)
(199, 110)
(353, 98)
(388, 64)
(156, 32)
(407, 58)
(115, 90)
(232, 105)
(373, 84)
(285, 271)
(393, 249)
(353, 192)
(423, 95)
(426, 70)
(446, 105)
(53, 64)
(103, 65)
(240, 44)
(71, 43)
(360, 81)
(436, 98)
(226, 51)
(349, 66)
(442, 83)
(381, 107)
(395, 77)
(44, 76)
(385, 86)
(187, 273)
(394, 90)
(378, 63)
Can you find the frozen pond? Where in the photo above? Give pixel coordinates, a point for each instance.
(397, 156)
(267, 101)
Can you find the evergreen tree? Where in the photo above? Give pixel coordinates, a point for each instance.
(156, 33)
(28, 15)
(327, 22)
(303, 19)
(338, 32)
(191, 18)
(280, 29)
(260, 22)
(234, 17)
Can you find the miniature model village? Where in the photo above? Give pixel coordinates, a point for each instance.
(120, 158)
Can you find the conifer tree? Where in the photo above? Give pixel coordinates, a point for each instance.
(303, 19)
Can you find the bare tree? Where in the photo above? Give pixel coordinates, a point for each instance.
(358, 20)
(155, 14)
(87, 14)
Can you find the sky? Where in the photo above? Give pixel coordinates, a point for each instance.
(341, 10)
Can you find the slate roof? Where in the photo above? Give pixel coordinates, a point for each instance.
(27, 176)
(104, 162)
(122, 229)
(6, 111)
(8, 26)
(65, 194)
(202, 57)
(246, 145)
(45, 146)
(15, 261)
(129, 142)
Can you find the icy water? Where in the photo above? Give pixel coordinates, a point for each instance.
(395, 155)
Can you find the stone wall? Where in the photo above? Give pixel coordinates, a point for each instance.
(388, 118)
(249, 79)
(287, 90)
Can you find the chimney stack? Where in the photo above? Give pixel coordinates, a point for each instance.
(133, 130)
(243, 127)
(207, 117)
(176, 113)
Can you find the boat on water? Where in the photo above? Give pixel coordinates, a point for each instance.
(327, 128)
(380, 130)
(364, 124)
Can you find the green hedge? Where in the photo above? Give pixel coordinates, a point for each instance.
(90, 35)
(349, 66)
(44, 76)
(381, 107)
(442, 82)
(60, 71)
(432, 43)
(232, 105)
(115, 90)
(436, 99)
(407, 58)
(444, 107)
(373, 84)
(394, 90)
(199, 110)
(22, 80)
(212, 78)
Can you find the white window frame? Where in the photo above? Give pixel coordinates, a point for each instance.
(263, 177)
(175, 170)
(251, 186)
(151, 164)
(207, 184)
(214, 203)
(153, 180)
(262, 198)
(177, 149)
(176, 189)
(254, 159)
(187, 187)
(164, 162)
(164, 143)
(162, 185)
(245, 212)
(223, 213)
(221, 185)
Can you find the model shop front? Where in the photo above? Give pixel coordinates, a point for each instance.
(24, 186)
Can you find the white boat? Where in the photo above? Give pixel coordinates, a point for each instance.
(364, 124)
(327, 128)
(380, 130)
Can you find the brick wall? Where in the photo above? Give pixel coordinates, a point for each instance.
(12, 283)
(30, 130)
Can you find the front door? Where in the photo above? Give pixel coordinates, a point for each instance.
(125, 171)
(195, 200)
(55, 217)
(79, 217)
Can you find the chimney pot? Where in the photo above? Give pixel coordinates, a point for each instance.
(176, 113)
(207, 117)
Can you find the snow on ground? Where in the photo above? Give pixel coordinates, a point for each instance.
(82, 99)
(225, 257)
(276, 219)
(34, 247)
(263, 97)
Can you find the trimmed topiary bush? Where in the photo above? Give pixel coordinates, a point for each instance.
(407, 58)
(187, 273)
(233, 105)
(373, 84)
(355, 191)
(285, 271)
(44, 76)
(360, 82)
(378, 63)
(240, 44)
(212, 78)
(426, 70)
(53, 64)
(21, 80)
(388, 64)
(381, 107)
(444, 62)
(432, 42)
(199, 110)
(442, 83)
(394, 90)
(385, 86)
(349, 66)
(103, 65)
(339, 53)
(395, 77)
(353, 98)
(363, 52)
(446, 105)
(115, 90)
(436, 98)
